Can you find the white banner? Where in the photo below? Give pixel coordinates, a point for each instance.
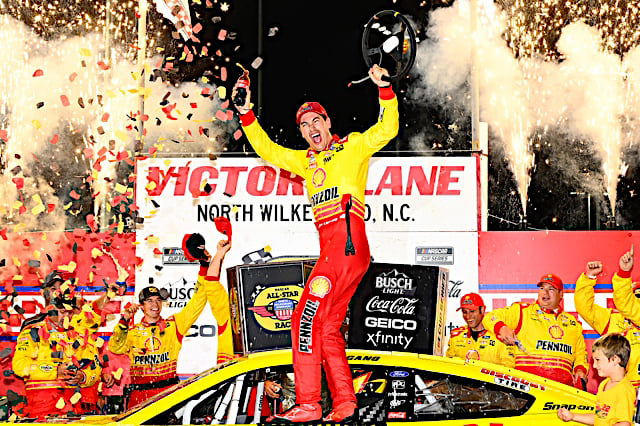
(420, 210)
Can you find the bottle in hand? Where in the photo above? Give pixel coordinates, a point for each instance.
(241, 91)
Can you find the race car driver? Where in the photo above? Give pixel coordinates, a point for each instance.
(604, 320)
(154, 343)
(473, 341)
(335, 170)
(550, 341)
(56, 356)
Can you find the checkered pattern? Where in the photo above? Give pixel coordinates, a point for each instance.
(372, 413)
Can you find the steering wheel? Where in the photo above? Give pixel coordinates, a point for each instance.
(390, 42)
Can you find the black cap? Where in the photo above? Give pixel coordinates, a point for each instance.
(150, 291)
(53, 277)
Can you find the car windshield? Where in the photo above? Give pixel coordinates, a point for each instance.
(173, 388)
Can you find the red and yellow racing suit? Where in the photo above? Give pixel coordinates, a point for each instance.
(487, 348)
(605, 320)
(153, 348)
(40, 348)
(332, 175)
(553, 342)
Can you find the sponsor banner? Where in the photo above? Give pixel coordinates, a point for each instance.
(410, 201)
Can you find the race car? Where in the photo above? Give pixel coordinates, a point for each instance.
(391, 387)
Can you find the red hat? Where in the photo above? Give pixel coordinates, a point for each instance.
(310, 107)
(471, 301)
(552, 279)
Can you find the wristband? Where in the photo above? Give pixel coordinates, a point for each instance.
(591, 277)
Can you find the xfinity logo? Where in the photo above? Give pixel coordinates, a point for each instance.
(394, 282)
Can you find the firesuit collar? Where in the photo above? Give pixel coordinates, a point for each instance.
(557, 312)
(334, 139)
(481, 333)
(160, 323)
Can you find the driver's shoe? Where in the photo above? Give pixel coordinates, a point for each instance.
(341, 412)
(299, 413)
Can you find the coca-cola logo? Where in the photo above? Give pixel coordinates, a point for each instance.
(398, 306)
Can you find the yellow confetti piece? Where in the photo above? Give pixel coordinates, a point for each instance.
(151, 186)
(222, 92)
(90, 277)
(13, 418)
(118, 373)
(65, 322)
(135, 76)
(95, 252)
(135, 243)
(205, 80)
(66, 206)
(120, 188)
(151, 239)
(75, 398)
(16, 262)
(60, 404)
(234, 209)
(120, 227)
(132, 91)
(147, 91)
(37, 209)
(36, 254)
(111, 294)
(36, 198)
(17, 277)
(110, 94)
(16, 205)
(99, 387)
(147, 68)
(86, 307)
(121, 135)
(167, 162)
(72, 266)
(85, 52)
(36, 124)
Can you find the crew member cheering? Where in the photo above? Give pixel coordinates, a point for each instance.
(473, 341)
(549, 340)
(153, 344)
(335, 170)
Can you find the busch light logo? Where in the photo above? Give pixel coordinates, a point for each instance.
(394, 282)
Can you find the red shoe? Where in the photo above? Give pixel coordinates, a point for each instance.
(341, 412)
(299, 413)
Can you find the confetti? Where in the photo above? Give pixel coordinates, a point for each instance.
(60, 404)
(64, 100)
(38, 73)
(256, 63)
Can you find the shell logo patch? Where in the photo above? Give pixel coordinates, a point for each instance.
(152, 344)
(473, 355)
(556, 332)
(319, 286)
(318, 178)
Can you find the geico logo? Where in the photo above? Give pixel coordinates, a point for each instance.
(402, 283)
(265, 180)
(206, 330)
(393, 323)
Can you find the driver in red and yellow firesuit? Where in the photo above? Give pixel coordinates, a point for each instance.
(549, 340)
(335, 170)
(57, 356)
(473, 341)
(607, 320)
(154, 343)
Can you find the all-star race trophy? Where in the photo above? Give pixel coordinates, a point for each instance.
(336, 190)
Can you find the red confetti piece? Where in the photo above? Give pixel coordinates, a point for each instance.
(105, 117)
(26, 243)
(4, 135)
(103, 66)
(54, 139)
(3, 233)
(189, 57)
(88, 153)
(205, 51)
(237, 134)
(73, 76)
(35, 158)
(22, 210)
(38, 73)
(220, 115)
(222, 34)
(122, 155)
(145, 117)
(157, 251)
(225, 104)
(91, 221)
(153, 150)
(193, 105)
(197, 28)
(205, 91)
(229, 115)
(50, 207)
(19, 182)
(73, 194)
(102, 151)
(223, 74)
(64, 100)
